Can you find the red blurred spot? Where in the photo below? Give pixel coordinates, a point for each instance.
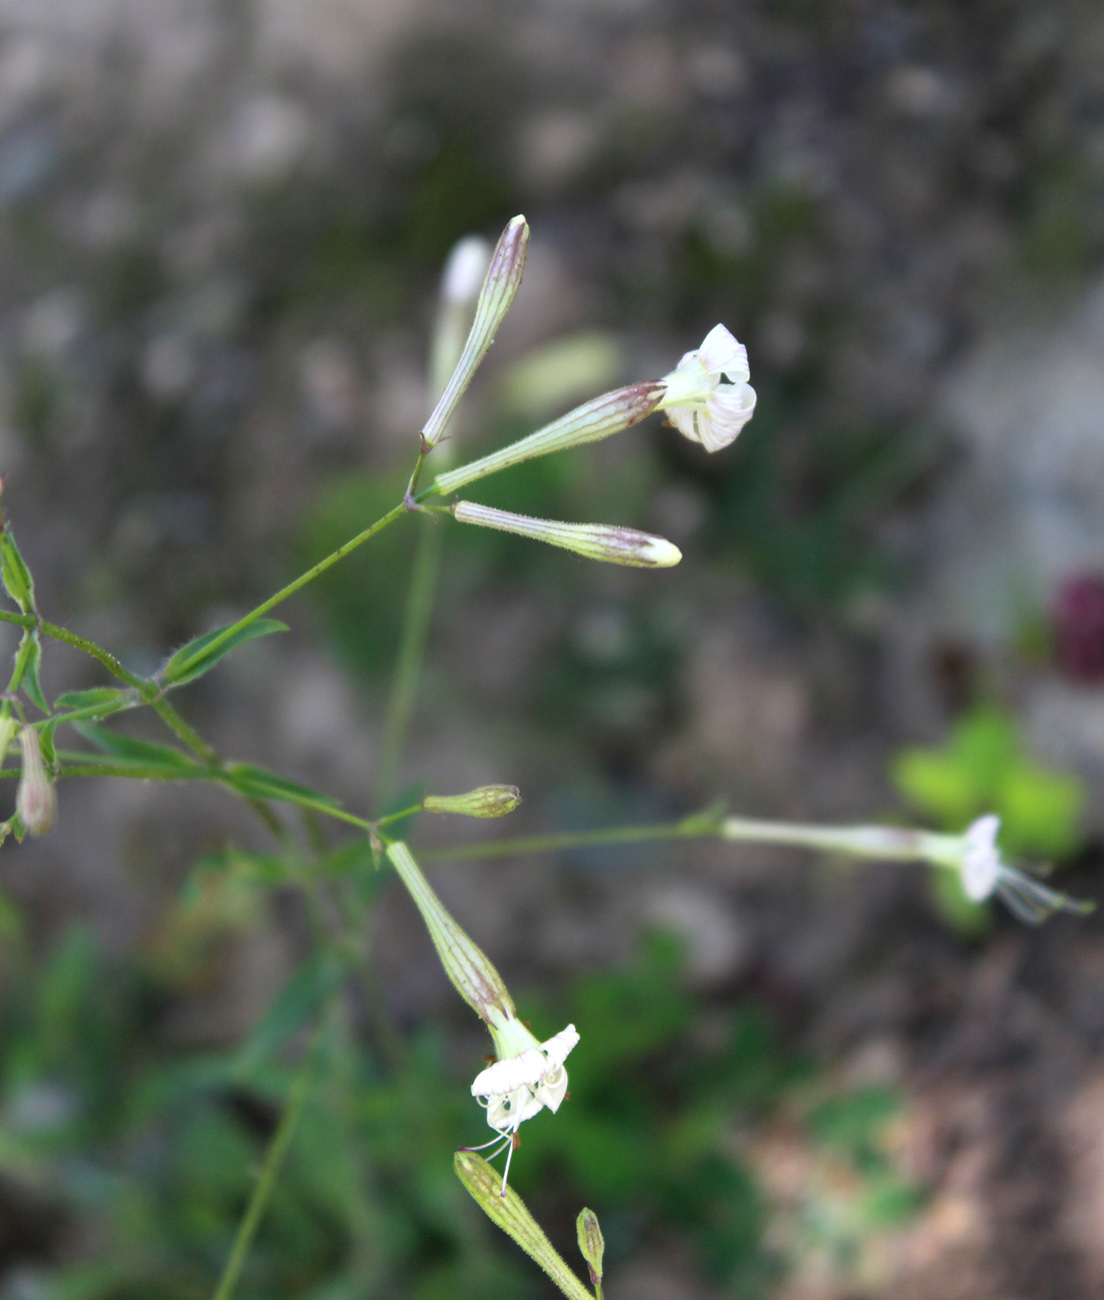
(1079, 628)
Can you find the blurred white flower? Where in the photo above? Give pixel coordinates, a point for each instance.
(708, 398)
(983, 874)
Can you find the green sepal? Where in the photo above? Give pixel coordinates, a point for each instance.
(190, 661)
(259, 783)
(18, 582)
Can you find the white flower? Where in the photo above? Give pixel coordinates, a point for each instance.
(520, 1086)
(983, 874)
(700, 404)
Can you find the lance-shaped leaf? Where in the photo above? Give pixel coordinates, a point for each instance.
(32, 687)
(591, 422)
(305, 993)
(507, 1210)
(503, 278)
(259, 783)
(194, 659)
(146, 753)
(605, 542)
(107, 697)
(17, 579)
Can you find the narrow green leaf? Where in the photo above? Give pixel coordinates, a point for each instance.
(130, 750)
(190, 661)
(107, 696)
(305, 993)
(46, 742)
(32, 687)
(259, 783)
(17, 579)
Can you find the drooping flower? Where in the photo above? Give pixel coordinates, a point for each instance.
(983, 874)
(528, 1075)
(522, 1082)
(708, 398)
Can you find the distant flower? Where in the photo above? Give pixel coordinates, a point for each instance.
(983, 874)
(708, 398)
(521, 1085)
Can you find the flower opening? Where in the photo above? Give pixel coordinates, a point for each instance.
(983, 874)
(520, 1085)
(708, 398)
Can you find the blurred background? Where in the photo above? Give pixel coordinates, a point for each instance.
(221, 228)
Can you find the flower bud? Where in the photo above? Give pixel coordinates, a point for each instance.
(504, 1207)
(590, 422)
(487, 801)
(35, 798)
(466, 964)
(499, 287)
(604, 542)
(591, 1243)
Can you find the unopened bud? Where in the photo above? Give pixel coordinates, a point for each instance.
(505, 1208)
(35, 798)
(466, 964)
(591, 1243)
(487, 801)
(591, 422)
(604, 542)
(499, 287)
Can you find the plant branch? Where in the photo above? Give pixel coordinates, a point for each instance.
(274, 1158)
(297, 584)
(408, 666)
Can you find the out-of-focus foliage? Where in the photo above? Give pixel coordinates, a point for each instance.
(109, 1135)
(982, 769)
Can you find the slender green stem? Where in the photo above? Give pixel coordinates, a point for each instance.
(566, 840)
(105, 657)
(274, 1158)
(889, 843)
(398, 816)
(408, 666)
(292, 587)
(186, 733)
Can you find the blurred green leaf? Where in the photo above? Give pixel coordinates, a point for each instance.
(259, 783)
(145, 752)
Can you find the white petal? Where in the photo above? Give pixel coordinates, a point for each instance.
(553, 1089)
(505, 1114)
(982, 834)
(559, 1046)
(682, 417)
(726, 413)
(722, 355)
(507, 1076)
